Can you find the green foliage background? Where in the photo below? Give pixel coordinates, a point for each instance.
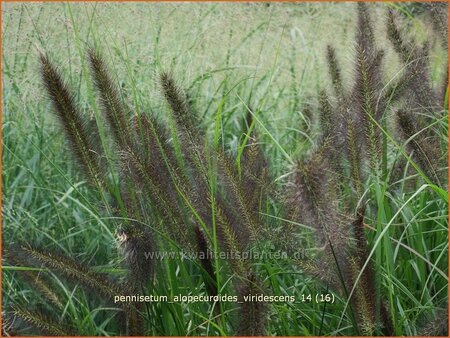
(272, 56)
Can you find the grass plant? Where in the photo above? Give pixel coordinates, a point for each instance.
(315, 130)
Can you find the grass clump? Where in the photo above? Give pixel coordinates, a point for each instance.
(329, 188)
(157, 181)
(354, 198)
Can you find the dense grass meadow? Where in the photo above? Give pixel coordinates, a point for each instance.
(306, 142)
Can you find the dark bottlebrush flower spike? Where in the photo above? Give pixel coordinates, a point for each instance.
(206, 263)
(368, 85)
(252, 313)
(77, 272)
(188, 132)
(72, 270)
(354, 154)
(335, 73)
(177, 102)
(47, 325)
(314, 197)
(39, 280)
(137, 244)
(437, 326)
(254, 176)
(71, 120)
(327, 121)
(363, 298)
(239, 197)
(402, 48)
(358, 230)
(423, 147)
(365, 37)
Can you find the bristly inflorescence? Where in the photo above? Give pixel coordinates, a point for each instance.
(72, 121)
